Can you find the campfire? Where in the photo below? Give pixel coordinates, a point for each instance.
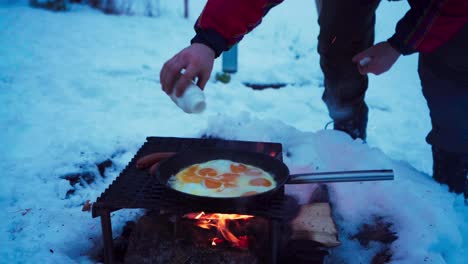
(223, 225)
(181, 229)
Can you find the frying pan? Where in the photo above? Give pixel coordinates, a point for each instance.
(275, 167)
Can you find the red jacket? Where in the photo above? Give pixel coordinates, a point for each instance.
(426, 26)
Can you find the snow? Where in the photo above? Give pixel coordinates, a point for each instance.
(80, 87)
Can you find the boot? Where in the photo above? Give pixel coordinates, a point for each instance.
(355, 127)
(451, 169)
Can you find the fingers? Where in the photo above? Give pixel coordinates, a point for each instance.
(149, 160)
(370, 67)
(174, 75)
(197, 60)
(363, 69)
(364, 61)
(171, 72)
(375, 67)
(163, 76)
(376, 59)
(185, 80)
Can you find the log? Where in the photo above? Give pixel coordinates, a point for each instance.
(315, 223)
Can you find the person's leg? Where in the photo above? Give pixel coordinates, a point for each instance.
(444, 79)
(318, 5)
(346, 28)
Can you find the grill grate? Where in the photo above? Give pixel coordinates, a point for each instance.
(134, 188)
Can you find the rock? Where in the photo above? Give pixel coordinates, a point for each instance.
(102, 166)
(74, 178)
(382, 257)
(379, 231)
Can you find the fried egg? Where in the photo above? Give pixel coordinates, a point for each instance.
(222, 178)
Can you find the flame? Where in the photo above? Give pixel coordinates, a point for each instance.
(219, 221)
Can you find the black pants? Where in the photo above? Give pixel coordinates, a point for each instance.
(444, 79)
(346, 28)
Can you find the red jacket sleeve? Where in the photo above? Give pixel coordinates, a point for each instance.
(429, 24)
(223, 23)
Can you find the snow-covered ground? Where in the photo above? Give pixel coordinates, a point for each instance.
(80, 87)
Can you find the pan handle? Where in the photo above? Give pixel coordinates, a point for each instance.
(341, 176)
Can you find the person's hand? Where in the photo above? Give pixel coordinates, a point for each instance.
(376, 59)
(152, 160)
(197, 60)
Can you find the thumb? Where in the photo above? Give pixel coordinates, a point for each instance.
(185, 80)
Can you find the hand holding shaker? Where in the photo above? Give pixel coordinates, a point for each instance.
(192, 101)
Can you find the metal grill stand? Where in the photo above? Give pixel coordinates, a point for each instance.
(134, 188)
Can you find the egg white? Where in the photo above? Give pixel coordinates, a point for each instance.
(222, 166)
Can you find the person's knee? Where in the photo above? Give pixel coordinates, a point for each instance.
(341, 70)
(344, 33)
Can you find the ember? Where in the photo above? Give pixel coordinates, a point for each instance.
(220, 222)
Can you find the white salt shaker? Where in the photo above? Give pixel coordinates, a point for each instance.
(365, 61)
(192, 101)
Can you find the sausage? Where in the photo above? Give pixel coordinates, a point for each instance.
(149, 160)
(153, 168)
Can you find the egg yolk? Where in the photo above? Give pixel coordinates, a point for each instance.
(190, 178)
(224, 178)
(192, 169)
(208, 172)
(260, 182)
(189, 175)
(238, 168)
(212, 184)
(229, 177)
